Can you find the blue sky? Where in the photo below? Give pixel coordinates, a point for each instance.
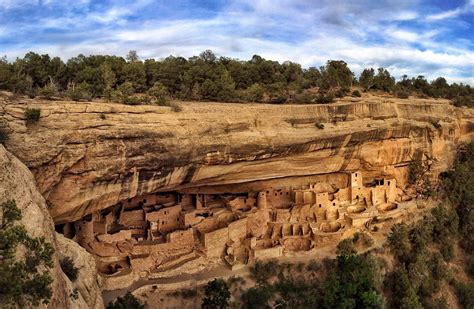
(427, 37)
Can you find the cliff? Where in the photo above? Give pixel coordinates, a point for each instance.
(18, 184)
(88, 156)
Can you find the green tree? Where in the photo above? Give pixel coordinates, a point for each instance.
(399, 242)
(217, 295)
(24, 279)
(383, 81)
(336, 73)
(159, 93)
(367, 79)
(109, 80)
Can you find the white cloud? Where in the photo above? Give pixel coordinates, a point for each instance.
(468, 7)
(363, 33)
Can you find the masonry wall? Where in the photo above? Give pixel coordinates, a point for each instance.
(268, 253)
(215, 242)
(185, 238)
(238, 230)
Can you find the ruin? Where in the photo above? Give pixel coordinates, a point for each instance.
(161, 231)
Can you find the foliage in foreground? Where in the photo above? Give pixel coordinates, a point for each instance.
(23, 281)
(126, 302)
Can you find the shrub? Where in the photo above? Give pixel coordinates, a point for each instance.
(189, 293)
(32, 115)
(217, 295)
(3, 132)
(465, 294)
(127, 302)
(319, 125)
(277, 100)
(175, 107)
(68, 267)
(48, 91)
(262, 271)
(402, 94)
(323, 98)
(346, 247)
(132, 100)
(79, 92)
(356, 93)
(254, 93)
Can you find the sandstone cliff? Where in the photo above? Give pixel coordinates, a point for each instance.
(88, 156)
(17, 183)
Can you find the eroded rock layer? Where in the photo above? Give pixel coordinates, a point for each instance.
(89, 156)
(17, 184)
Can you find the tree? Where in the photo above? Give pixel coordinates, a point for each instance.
(383, 81)
(336, 73)
(109, 79)
(159, 93)
(399, 242)
(217, 295)
(254, 93)
(353, 284)
(24, 279)
(366, 79)
(132, 56)
(79, 92)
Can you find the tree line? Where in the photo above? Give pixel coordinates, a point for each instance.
(207, 77)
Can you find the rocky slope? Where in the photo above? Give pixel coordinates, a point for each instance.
(88, 156)
(17, 183)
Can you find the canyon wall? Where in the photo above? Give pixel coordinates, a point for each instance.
(17, 183)
(88, 156)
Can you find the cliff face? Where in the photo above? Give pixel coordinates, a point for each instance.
(17, 183)
(88, 156)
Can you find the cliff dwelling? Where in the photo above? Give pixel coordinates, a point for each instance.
(161, 231)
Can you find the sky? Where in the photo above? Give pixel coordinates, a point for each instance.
(414, 37)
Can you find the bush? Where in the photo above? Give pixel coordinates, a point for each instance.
(356, 93)
(323, 98)
(262, 271)
(3, 132)
(175, 107)
(32, 115)
(68, 267)
(79, 92)
(127, 302)
(217, 295)
(319, 125)
(132, 100)
(48, 91)
(465, 294)
(402, 94)
(277, 100)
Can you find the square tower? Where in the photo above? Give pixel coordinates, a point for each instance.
(356, 179)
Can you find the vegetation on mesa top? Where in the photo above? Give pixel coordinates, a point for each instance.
(206, 77)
